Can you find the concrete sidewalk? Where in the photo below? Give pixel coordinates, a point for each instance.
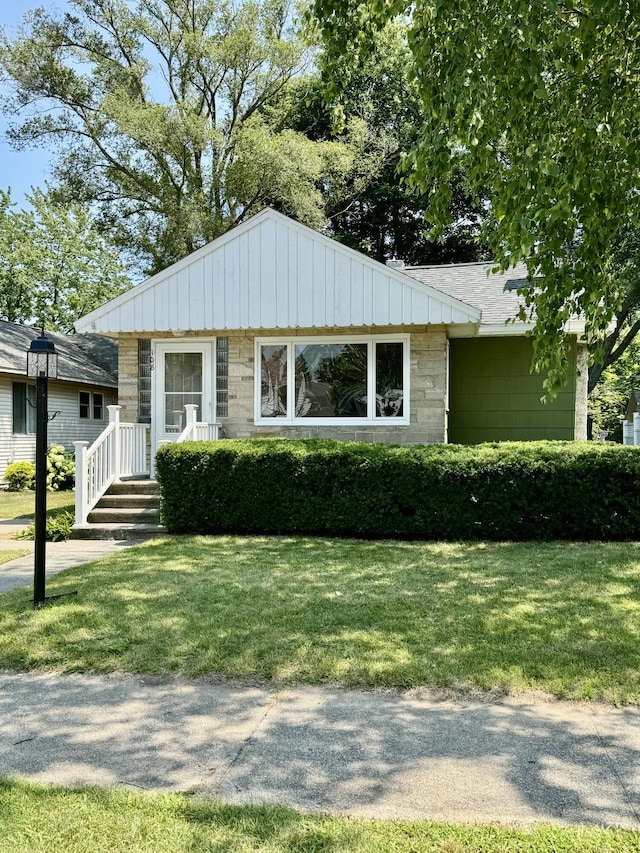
(379, 755)
(59, 555)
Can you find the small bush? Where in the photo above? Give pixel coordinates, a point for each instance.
(503, 491)
(58, 527)
(20, 475)
(61, 469)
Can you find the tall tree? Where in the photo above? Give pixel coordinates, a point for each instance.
(54, 265)
(156, 110)
(624, 268)
(540, 102)
(17, 301)
(385, 216)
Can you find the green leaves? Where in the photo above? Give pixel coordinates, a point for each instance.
(503, 491)
(54, 265)
(153, 109)
(539, 102)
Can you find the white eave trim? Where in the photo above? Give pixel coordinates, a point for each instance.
(493, 330)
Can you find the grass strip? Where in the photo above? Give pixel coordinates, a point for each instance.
(558, 617)
(7, 556)
(48, 820)
(22, 504)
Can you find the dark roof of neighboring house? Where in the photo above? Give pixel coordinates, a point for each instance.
(495, 294)
(633, 404)
(85, 359)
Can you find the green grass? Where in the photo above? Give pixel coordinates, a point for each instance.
(7, 556)
(49, 820)
(562, 618)
(22, 504)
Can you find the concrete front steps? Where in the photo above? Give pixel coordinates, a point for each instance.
(129, 510)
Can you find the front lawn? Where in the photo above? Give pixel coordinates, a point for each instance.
(35, 817)
(558, 617)
(22, 504)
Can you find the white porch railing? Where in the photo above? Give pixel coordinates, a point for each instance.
(631, 430)
(119, 451)
(197, 430)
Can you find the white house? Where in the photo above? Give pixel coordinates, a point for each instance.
(274, 328)
(78, 399)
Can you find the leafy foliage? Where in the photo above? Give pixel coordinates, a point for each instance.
(383, 216)
(158, 114)
(539, 102)
(534, 490)
(61, 472)
(608, 401)
(58, 527)
(61, 469)
(19, 476)
(624, 269)
(54, 265)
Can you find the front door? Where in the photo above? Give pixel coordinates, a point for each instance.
(183, 373)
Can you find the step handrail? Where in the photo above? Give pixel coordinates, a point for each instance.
(119, 451)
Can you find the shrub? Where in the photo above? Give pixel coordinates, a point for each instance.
(58, 527)
(61, 469)
(20, 475)
(504, 491)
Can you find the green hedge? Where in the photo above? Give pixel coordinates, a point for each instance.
(506, 491)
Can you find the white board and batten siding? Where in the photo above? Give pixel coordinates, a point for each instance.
(273, 273)
(64, 429)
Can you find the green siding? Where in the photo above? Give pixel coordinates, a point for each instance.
(494, 397)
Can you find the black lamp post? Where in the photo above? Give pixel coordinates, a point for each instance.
(42, 364)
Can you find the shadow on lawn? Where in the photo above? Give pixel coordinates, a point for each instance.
(368, 753)
(314, 610)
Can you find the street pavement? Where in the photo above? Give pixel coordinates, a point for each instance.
(377, 754)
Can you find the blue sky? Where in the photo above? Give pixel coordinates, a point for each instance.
(24, 169)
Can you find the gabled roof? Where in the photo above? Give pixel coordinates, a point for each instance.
(633, 404)
(83, 359)
(273, 273)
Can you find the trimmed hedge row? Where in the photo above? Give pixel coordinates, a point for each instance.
(505, 491)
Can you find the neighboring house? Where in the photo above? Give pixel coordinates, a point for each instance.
(631, 423)
(633, 405)
(274, 329)
(87, 384)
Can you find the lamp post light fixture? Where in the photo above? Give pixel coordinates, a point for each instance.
(42, 364)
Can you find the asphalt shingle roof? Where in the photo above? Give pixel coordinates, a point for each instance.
(474, 284)
(87, 359)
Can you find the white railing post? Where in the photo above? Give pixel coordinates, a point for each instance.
(190, 417)
(114, 418)
(81, 482)
(636, 428)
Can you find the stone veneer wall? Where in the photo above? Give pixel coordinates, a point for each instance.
(128, 378)
(428, 347)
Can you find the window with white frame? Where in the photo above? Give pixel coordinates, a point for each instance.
(24, 408)
(91, 405)
(98, 406)
(333, 380)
